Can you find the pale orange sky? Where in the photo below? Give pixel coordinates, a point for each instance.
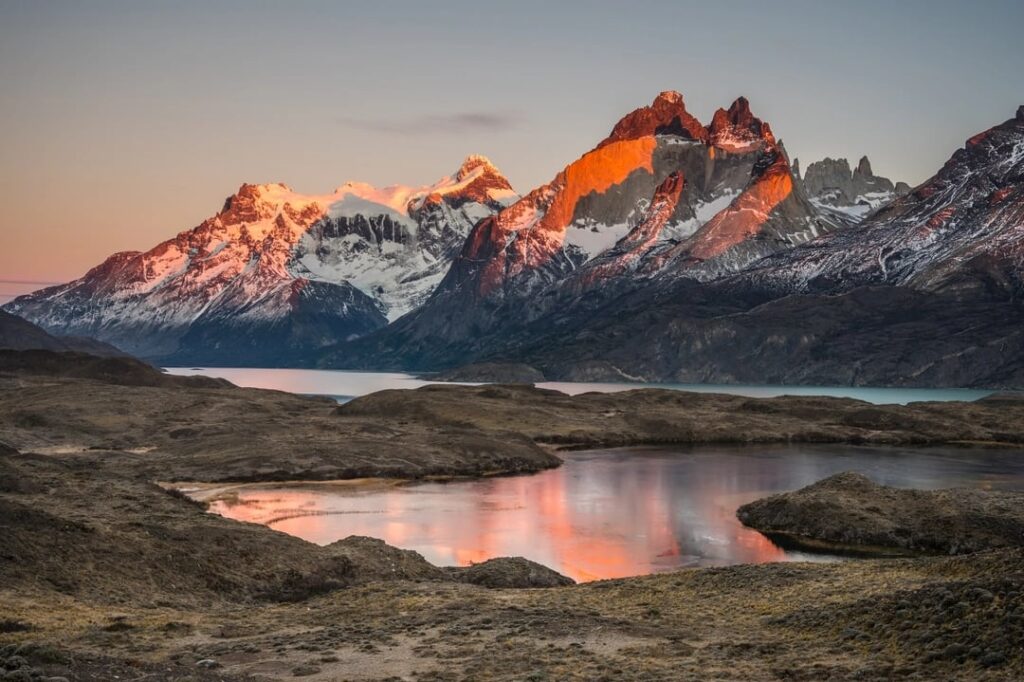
(124, 123)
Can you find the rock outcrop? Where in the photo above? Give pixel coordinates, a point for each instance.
(511, 572)
(850, 511)
(852, 195)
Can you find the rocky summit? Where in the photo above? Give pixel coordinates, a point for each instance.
(848, 195)
(923, 291)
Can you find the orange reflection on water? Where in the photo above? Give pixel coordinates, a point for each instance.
(591, 519)
(610, 513)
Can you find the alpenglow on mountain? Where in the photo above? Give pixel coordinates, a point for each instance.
(276, 275)
(465, 268)
(662, 196)
(926, 290)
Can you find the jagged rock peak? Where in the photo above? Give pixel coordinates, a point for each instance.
(488, 185)
(831, 182)
(252, 190)
(739, 111)
(672, 97)
(483, 178)
(1020, 113)
(864, 167)
(477, 179)
(671, 185)
(830, 171)
(737, 127)
(242, 206)
(667, 114)
(796, 168)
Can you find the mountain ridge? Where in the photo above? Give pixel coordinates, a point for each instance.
(726, 261)
(276, 273)
(734, 165)
(925, 291)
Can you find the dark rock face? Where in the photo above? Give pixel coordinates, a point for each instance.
(319, 314)
(374, 231)
(849, 509)
(849, 195)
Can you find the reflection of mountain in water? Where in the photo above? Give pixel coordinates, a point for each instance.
(608, 513)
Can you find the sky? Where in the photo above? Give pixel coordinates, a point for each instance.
(124, 123)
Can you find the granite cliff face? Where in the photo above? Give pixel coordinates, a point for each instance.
(849, 195)
(736, 200)
(926, 291)
(662, 196)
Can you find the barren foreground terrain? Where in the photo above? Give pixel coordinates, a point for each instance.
(104, 574)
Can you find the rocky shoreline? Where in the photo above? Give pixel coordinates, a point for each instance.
(106, 574)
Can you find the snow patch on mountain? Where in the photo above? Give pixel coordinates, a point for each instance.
(703, 212)
(351, 205)
(593, 239)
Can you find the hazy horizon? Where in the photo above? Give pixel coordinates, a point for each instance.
(126, 123)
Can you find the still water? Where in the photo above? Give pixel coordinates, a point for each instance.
(606, 513)
(343, 385)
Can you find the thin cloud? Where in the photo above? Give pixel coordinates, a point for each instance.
(445, 124)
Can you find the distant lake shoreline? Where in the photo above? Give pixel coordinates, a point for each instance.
(344, 385)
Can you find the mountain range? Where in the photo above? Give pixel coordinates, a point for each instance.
(276, 275)
(671, 251)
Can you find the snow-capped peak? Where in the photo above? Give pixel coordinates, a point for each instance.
(474, 162)
(344, 262)
(477, 179)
